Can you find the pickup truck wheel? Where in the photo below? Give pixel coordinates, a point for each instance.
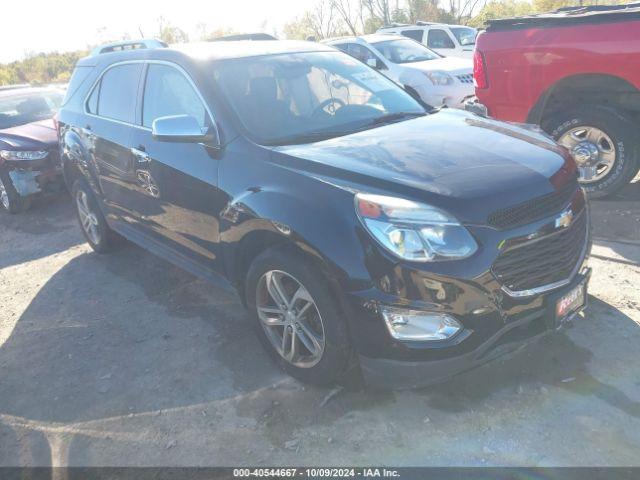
(603, 143)
(92, 222)
(10, 199)
(296, 316)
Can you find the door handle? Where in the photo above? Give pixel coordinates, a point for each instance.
(140, 154)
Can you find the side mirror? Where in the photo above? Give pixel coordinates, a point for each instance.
(182, 128)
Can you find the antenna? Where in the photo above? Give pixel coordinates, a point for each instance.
(140, 30)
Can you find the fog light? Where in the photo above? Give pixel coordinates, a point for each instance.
(419, 326)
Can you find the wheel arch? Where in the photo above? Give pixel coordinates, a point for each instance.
(266, 219)
(582, 89)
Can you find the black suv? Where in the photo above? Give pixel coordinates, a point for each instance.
(360, 227)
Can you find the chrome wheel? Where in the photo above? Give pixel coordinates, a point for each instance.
(593, 151)
(4, 196)
(290, 319)
(88, 218)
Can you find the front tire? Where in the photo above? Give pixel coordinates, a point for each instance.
(604, 144)
(296, 316)
(92, 222)
(10, 199)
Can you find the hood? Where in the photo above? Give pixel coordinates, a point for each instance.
(39, 135)
(449, 64)
(464, 163)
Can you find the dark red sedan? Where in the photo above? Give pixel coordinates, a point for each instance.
(29, 158)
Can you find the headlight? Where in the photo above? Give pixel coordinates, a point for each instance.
(414, 231)
(439, 78)
(419, 326)
(23, 154)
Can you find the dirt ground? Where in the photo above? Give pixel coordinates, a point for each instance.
(127, 360)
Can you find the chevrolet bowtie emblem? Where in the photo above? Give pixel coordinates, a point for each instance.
(565, 219)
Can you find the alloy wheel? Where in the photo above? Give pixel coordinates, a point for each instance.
(593, 151)
(290, 319)
(4, 196)
(88, 218)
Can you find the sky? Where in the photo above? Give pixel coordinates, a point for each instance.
(30, 26)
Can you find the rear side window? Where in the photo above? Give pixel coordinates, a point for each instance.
(118, 92)
(78, 77)
(413, 34)
(168, 92)
(439, 39)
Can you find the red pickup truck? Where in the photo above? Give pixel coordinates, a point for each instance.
(576, 73)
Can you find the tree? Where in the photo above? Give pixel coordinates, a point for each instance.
(170, 33)
(350, 11)
(322, 21)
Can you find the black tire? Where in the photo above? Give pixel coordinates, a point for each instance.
(106, 239)
(623, 133)
(15, 202)
(335, 359)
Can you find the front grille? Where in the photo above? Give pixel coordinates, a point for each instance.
(548, 260)
(534, 209)
(465, 78)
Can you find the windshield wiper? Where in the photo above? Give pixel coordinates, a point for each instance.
(394, 117)
(308, 137)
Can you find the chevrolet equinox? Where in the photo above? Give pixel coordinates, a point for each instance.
(361, 228)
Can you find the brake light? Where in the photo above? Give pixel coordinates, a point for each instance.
(479, 70)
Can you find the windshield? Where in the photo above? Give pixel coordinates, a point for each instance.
(25, 106)
(305, 97)
(466, 36)
(405, 51)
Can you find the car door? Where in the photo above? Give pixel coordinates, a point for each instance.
(178, 200)
(439, 40)
(111, 109)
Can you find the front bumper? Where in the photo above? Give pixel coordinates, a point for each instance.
(451, 95)
(34, 176)
(512, 336)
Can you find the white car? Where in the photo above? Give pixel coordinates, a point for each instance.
(447, 40)
(435, 79)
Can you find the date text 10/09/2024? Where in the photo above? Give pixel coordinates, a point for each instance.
(315, 472)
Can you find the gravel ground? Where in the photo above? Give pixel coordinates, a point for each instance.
(127, 360)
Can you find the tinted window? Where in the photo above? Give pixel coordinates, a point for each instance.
(77, 79)
(439, 39)
(413, 34)
(168, 92)
(304, 97)
(92, 103)
(118, 92)
(405, 51)
(365, 55)
(465, 35)
(341, 46)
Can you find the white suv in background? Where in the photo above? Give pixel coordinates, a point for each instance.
(447, 40)
(422, 72)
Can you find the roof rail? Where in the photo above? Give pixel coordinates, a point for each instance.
(128, 45)
(396, 25)
(422, 23)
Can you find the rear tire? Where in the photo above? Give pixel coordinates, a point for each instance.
(319, 315)
(92, 222)
(602, 138)
(10, 199)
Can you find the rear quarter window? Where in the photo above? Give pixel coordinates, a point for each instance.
(413, 34)
(78, 77)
